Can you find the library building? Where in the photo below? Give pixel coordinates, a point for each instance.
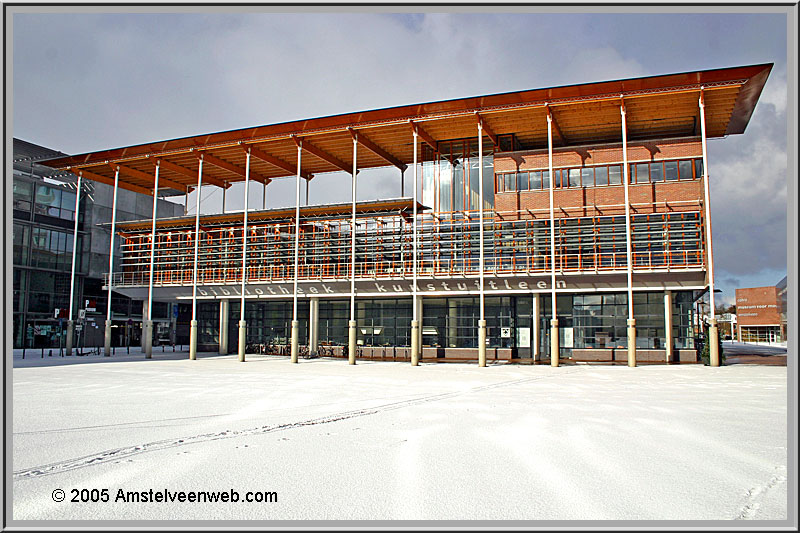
(549, 225)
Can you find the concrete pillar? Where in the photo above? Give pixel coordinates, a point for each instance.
(351, 342)
(295, 340)
(420, 321)
(415, 342)
(631, 342)
(107, 339)
(668, 340)
(713, 340)
(193, 340)
(313, 326)
(481, 342)
(536, 315)
(70, 332)
(144, 319)
(554, 342)
(148, 339)
(242, 339)
(224, 308)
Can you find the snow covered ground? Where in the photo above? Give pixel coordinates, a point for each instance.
(384, 440)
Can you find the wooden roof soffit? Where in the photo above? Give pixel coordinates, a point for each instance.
(561, 137)
(169, 165)
(132, 172)
(487, 130)
(274, 161)
(377, 150)
(424, 134)
(221, 163)
(322, 154)
(110, 181)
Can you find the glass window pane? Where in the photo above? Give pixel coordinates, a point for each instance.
(685, 168)
(574, 177)
(545, 179)
(642, 174)
(657, 171)
(535, 180)
(522, 181)
(698, 167)
(671, 170)
(601, 176)
(615, 175)
(510, 185)
(587, 177)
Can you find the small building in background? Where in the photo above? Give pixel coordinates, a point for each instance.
(761, 313)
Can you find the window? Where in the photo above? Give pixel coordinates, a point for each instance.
(574, 177)
(522, 181)
(685, 169)
(587, 176)
(642, 173)
(535, 180)
(601, 176)
(656, 171)
(671, 170)
(698, 168)
(615, 175)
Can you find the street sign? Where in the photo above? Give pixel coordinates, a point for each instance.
(505, 333)
(81, 314)
(175, 311)
(58, 312)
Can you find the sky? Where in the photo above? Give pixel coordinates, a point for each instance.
(85, 82)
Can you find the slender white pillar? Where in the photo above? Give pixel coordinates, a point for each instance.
(224, 313)
(224, 190)
(186, 202)
(668, 341)
(193, 329)
(536, 315)
(264, 197)
(313, 326)
(713, 332)
(242, 321)
(107, 336)
(628, 245)
(307, 184)
(148, 349)
(482, 320)
(351, 353)
(554, 355)
(295, 333)
(415, 337)
(70, 323)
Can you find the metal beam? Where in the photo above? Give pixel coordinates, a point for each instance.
(274, 161)
(364, 141)
(424, 134)
(190, 173)
(148, 177)
(487, 130)
(322, 154)
(108, 181)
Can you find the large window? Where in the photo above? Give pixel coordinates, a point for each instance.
(53, 249)
(453, 322)
(55, 202)
(599, 176)
(384, 322)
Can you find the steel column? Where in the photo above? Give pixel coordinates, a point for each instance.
(193, 329)
(554, 355)
(668, 340)
(351, 341)
(70, 323)
(148, 347)
(107, 336)
(415, 338)
(295, 332)
(628, 245)
(242, 321)
(482, 320)
(713, 332)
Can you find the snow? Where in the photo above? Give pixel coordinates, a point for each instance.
(384, 440)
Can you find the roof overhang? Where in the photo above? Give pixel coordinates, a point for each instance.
(662, 106)
(394, 207)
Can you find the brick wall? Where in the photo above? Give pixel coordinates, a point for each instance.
(758, 306)
(601, 201)
(598, 155)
